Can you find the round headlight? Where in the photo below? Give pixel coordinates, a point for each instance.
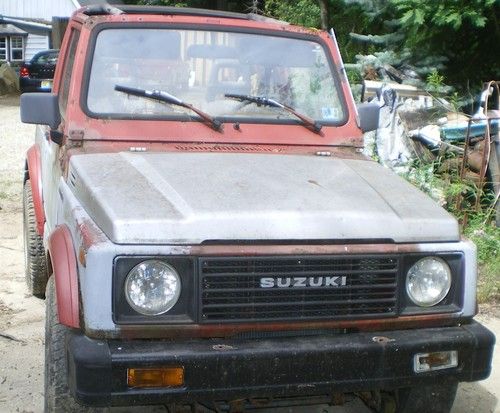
(428, 281)
(152, 287)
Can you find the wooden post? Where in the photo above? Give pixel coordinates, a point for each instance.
(59, 25)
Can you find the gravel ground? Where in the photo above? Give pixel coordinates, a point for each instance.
(22, 316)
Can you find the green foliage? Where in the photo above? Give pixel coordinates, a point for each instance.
(486, 236)
(435, 85)
(423, 176)
(460, 38)
(301, 12)
(445, 13)
(354, 76)
(435, 81)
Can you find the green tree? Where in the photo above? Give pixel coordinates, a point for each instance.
(458, 38)
(302, 12)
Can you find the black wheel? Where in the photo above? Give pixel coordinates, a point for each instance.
(435, 398)
(35, 264)
(57, 396)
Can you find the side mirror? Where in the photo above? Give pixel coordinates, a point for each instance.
(40, 109)
(368, 116)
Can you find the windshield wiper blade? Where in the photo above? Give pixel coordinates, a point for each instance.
(173, 100)
(309, 123)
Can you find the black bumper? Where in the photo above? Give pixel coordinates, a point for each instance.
(33, 85)
(278, 367)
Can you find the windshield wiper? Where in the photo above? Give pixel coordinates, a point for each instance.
(168, 98)
(309, 123)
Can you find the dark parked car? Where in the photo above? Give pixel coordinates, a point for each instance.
(37, 75)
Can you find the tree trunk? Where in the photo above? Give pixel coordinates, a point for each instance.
(323, 5)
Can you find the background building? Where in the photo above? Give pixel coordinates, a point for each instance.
(26, 26)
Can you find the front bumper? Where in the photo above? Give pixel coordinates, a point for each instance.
(273, 367)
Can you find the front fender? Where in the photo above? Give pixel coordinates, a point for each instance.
(63, 259)
(34, 172)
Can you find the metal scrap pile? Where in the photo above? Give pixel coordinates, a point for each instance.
(416, 127)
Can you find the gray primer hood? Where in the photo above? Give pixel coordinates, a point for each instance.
(188, 198)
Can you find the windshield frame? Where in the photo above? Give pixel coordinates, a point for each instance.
(194, 118)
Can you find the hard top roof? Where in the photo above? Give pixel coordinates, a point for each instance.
(95, 10)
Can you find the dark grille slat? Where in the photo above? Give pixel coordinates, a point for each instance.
(302, 303)
(287, 268)
(305, 263)
(349, 307)
(312, 313)
(386, 275)
(317, 307)
(324, 311)
(248, 300)
(298, 289)
(303, 273)
(295, 263)
(247, 292)
(230, 288)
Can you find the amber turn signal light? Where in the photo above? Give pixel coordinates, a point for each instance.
(156, 377)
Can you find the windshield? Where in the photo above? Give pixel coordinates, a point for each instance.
(201, 67)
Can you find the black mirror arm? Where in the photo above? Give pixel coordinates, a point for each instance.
(56, 136)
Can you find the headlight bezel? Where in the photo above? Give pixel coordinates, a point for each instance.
(452, 302)
(182, 312)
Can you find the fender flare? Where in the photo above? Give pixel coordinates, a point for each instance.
(64, 266)
(33, 172)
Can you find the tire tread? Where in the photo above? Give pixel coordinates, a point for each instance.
(57, 395)
(36, 262)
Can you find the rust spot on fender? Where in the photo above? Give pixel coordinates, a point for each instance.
(82, 256)
(76, 134)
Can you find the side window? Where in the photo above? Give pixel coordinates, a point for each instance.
(3, 48)
(45, 58)
(16, 48)
(68, 70)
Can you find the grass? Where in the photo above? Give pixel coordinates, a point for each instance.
(487, 239)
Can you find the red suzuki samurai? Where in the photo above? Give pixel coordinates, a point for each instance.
(207, 232)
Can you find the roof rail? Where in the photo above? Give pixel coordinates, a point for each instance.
(260, 18)
(160, 10)
(100, 9)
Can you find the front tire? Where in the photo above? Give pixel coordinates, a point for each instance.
(57, 396)
(35, 263)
